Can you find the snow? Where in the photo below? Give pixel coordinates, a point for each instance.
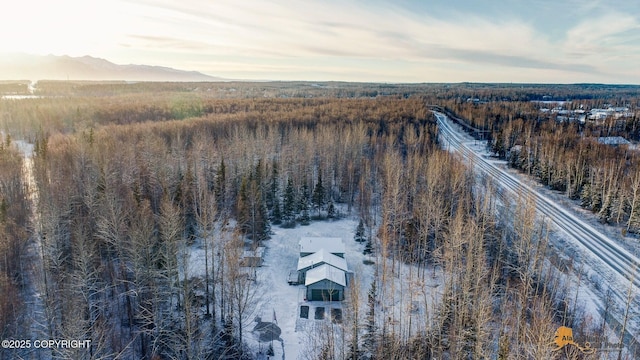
(322, 257)
(326, 272)
(613, 140)
(403, 307)
(20, 97)
(284, 300)
(591, 280)
(279, 302)
(314, 244)
(24, 147)
(258, 252)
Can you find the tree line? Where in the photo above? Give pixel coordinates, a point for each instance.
(567, 156)
(120, 204)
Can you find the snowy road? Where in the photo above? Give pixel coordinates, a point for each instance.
(604, 251)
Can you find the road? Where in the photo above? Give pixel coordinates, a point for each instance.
(604, 251)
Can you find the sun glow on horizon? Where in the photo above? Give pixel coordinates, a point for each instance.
(340, 40)
(65, 27)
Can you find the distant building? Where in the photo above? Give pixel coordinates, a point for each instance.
(615, 112)
(613, 140)
(599, 114)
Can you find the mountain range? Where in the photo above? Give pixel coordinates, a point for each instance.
(53, 67)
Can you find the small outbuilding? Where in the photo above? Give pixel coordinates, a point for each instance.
(252, 258)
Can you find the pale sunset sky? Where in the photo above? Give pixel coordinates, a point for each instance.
(550, 41)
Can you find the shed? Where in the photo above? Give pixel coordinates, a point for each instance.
(317, 259)
(310, 245)
(325, 283)
(252, 258)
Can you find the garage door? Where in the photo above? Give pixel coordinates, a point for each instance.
(324, 295)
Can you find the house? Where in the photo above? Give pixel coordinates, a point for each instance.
(322, 257)
(325, 283)
(310, 245)
(322, 268)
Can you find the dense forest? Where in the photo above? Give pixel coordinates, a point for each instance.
(124, 179)
(569, 156)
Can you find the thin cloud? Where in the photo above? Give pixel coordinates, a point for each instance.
(150, 41)
(603, 33)
(347, 31)
(571, 39)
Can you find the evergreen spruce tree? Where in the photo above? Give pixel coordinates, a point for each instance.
(276, 213)
(242, 207)
(331, 210)
(305, 217)
(260, 217)
(186, 200)
(359, 236)
(318, 197)
(264, 227)
(257, 177)
(499, 146)
(272, 193)
(489, 145)
(251, 211)
(289, 206)
(303, 198)
(369, 338)
(368, 247)
(303, 205)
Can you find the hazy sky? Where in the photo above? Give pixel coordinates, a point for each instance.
(389, 41)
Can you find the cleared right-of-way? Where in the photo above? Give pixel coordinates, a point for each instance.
(611, 254)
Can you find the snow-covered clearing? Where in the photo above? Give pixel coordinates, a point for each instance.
(405, 313)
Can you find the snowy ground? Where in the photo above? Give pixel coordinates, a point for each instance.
(282, 300)
(415, 295)
(588, 280)
(280, 303)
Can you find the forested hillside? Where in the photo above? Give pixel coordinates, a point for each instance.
(97, 246)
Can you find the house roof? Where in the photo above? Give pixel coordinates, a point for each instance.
(613, 140)
(322, 257)
(258, 252)
(315, 244)
(326, 272)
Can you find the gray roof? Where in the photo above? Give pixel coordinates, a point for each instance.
(326, 272)
(322, 257)
(613, 140)
(315, 244)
